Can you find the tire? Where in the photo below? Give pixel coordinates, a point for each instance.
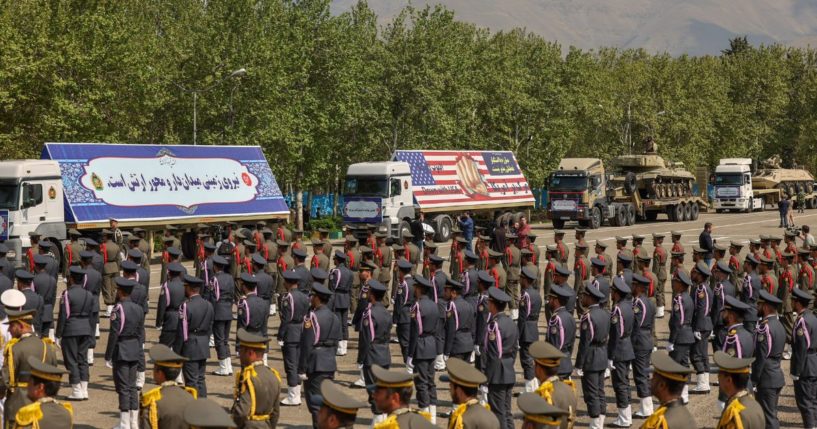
(651, 216)
(595, 218)
(558, 223)
(630, 216)
(629, 183)
(694, 211)
(621, 216)
(687, 212)
(811, 203)
(443, 231)
(679, 212)
(809, 188)
(402, 230)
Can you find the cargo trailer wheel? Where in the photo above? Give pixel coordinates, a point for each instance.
(679, 213)
(630, 216)
(812, 203)
(694, 211)
(595, 218)
(443, 231)
(687, 212)
(558, 223)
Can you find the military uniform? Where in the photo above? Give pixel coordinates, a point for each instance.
(70, 254)
(74, 332)
(469, 413)
(592, 356)
(403, 296)
(125, 340)
(375, 332)
(681, 332)
(672, 414)
(45, 413)
(222, 293)
(256, 402)
(482, 315)
(581, 272)
(741, 411)
(46, 287)
(719, 293)
(562, 331)
(252, 311)
(163, 406)
(702, 327)
(423, 348)
(319, 259)
(196, 317)
(738, 342)
(319, 343)
(499, 354)
(767, 374)
(458, 326)
(804, 361)
(514, 261)
(620, 351)
(749, 292)
(294, 308)
(530, 305)
(555, 391)
(341, 281)
(171, 297)
(642, 339)
(110, 258)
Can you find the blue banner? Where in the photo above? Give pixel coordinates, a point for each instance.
(4, 225)
(153, 182)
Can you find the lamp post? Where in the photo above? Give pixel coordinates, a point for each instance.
(235, 74)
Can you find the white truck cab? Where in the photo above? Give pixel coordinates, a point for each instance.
(31, 190)
(378, 193)
(732, 183)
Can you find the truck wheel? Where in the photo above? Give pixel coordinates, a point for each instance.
(671, 213)
(595, 218)
(443, 230)
(687, 211)
(809, 188)
(402, 230)
(630, 215)
(679, 213)
(694, 211)
(811, 203)
(558, 223)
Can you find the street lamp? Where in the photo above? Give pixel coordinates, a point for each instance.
(235, 74)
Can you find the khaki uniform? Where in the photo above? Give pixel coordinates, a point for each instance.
(320, 260)
(561, 395)
(672, 415)
(111, 257)
(742, 411)
(514, 258)
(257, 397)
(70, 255)
(472, 415)
(163, 407)
(45, 413)
(144, 247)
(659, 268)
(16, 354)
(406, 418)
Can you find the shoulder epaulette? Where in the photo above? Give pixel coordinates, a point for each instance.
(29, 414)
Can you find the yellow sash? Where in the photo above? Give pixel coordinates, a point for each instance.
(731, 415)
(455, 421)
(656, 420)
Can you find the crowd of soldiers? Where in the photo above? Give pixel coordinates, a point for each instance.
(472, 321)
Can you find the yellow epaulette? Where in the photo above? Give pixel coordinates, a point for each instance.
(47, 340)
(192, 391)
(151, 396)
(389, 423)
(656, 420)
(732, 415)
(9, 345)
(68, 407)
(29, 415)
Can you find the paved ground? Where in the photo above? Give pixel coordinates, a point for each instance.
(101, 410)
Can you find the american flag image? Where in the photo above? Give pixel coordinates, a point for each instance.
(466, 178)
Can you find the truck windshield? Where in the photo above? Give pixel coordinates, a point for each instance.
(568, 183)
(729, 179)
(9, 196)
(366, 187)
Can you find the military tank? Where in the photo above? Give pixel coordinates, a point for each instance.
(652, 177)
(791, 181)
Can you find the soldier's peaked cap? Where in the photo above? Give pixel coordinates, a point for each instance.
(318, 274)
(252, 340)
(193, 281)
(258, 259)
(176, 268)
(291, 276)
(248, 278)
(537, 410)
(220, 260)
(666, 367)
(764, 296)
(391, 379)
(563, 271)
(801, 295)
(335, 398)
(43, 370)
(498, 295)
(546, 354)
(485, 277)
(731, 364)
(163, 355)
(734, 304)
(462, 373)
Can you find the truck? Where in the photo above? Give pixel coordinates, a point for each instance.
(440, 183)
(641, 187)
(85, 185)
(737, 187)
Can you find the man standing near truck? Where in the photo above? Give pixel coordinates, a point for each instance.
(783, 210)
(111, 258)
(70, 254)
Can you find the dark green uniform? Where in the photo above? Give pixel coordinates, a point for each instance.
(163, 407)
(45, 413)
(257, 402)
(742, 411)
(16, 355)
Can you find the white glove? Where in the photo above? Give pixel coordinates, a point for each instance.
(476, 351)
(392, 301)
(360, 366)
(610, 365)
(109, 364)
(280, 343)
(57, 342)
(445, 358)
(670, 347)
(795, 378)
(410, 365)
(697, 336)
(579, 373)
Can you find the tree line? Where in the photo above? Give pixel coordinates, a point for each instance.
(323, 91)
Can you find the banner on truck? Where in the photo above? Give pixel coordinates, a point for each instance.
(466, 178)
(153, 182)
(362, 210)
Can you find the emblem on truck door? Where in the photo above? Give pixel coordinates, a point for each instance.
(52, 193)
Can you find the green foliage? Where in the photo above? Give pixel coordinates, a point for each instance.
(332, 223)
(324, 91)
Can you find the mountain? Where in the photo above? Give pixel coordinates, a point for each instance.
(695, 27)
